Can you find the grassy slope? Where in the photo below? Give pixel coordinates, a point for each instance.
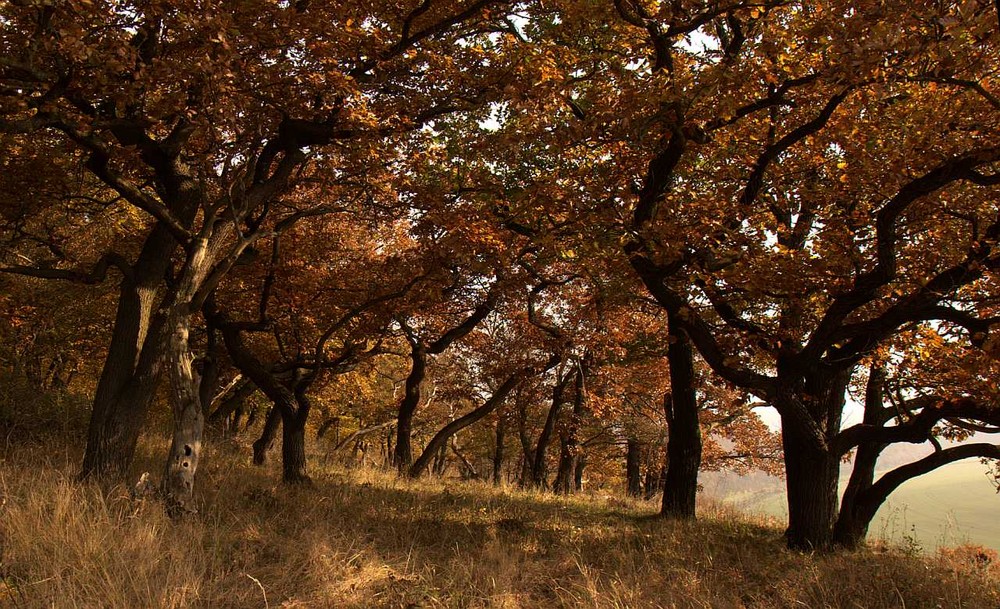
(954, 505)
(366, 539)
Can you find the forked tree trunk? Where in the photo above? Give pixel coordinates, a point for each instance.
(680, 488)
(539, 467)
(852, 523)
(138, 342)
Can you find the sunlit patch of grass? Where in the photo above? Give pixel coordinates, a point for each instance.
(365, 538)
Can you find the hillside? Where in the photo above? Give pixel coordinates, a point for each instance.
(363, 538)
(954, 505)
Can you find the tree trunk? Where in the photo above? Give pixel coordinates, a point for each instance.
(852, 523)
(402, 456)
(680, 488)
(812, 471)
(267, 436)
(569, 445)
(133, 363)
(185, 448)
(563, 483)
(581, 463)
(231, 402)
(539, 469)
(441, 438)
(498, 449)
(127, 384)
(440, 461)
(633, 472)
(851, 527)
(527, 456)
(811, 478)
(293, 448)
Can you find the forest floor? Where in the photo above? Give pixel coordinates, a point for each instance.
(363, 538)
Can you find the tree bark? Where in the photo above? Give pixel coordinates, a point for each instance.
(402, 456)
(293, 448)
(291, 406)
(231, 401)
(569, 450)
(527, 455)
(138, 341)
(870, 500)
(267, 436)
(811, 478)
(131, 367)
(812, 470)
(684, 430)
(185, 447)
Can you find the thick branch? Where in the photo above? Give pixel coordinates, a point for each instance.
(94, 276)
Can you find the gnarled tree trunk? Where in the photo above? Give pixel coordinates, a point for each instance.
(402, 456)
(132, 366)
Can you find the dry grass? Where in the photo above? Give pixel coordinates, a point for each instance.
(363, 538)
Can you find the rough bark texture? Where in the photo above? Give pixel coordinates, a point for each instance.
(138, 340)
(293, 449)
(185, 447)
(684, 430)
(132, 366)
(811, 478)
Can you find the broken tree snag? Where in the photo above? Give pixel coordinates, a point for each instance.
(189, 423)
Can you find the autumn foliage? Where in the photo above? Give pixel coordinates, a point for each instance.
(547, 243)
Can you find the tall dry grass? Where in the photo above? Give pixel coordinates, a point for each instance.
(362, 538)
